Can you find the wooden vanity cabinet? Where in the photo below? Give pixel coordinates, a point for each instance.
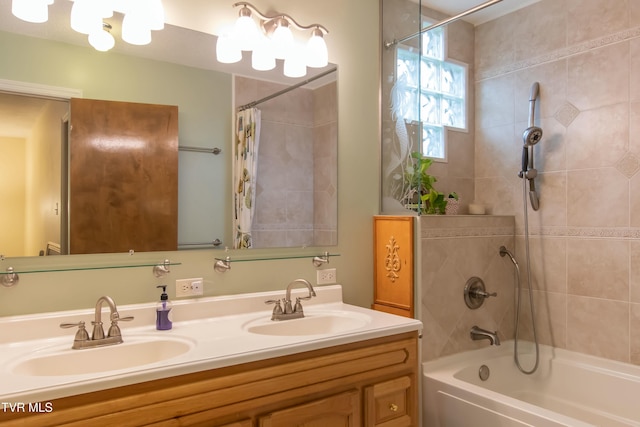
(370, 383)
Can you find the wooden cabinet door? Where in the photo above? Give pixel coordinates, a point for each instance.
(123, 177)
(341, 410)
(390, 403)
(393, 264)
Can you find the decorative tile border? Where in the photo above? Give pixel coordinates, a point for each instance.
(443, 233)
(583, 232)
(559, 54)
(631, 233)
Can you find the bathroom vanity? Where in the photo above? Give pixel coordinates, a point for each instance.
(352, 367)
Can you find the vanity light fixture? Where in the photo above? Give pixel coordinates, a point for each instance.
(140, 18)
(271, 40)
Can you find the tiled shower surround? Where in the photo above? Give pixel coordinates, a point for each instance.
(454, 249)
(585, 244)
(295, 198)
(585, 239)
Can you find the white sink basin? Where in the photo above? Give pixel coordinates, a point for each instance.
(135, 352)
(311, 324)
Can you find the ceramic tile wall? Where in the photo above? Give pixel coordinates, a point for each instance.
(454, 249)
(297, 144)
(585, 239)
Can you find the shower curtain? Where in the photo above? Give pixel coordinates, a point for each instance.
(245, 173)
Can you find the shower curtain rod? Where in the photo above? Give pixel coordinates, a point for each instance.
(282, 92)
(441, 23)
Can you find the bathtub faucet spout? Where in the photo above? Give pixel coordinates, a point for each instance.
(482, 334)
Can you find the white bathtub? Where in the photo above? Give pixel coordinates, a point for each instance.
(569, 389)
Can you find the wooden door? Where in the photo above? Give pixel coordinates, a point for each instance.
(123, 177)
(341, 410)
(393, 264)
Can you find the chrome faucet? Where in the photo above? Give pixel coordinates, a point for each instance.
(97, 339)
(482, 334)
(288, 311)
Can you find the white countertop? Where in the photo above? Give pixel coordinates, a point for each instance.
(215, 326)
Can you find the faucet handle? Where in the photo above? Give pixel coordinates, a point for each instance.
(81, 334)
(114, 329)
(298, 307)
(72, 325)
(277, 309)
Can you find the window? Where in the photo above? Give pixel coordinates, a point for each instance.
(434, 91)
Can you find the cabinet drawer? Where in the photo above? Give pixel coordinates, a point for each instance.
(389, 403)
(340, 410)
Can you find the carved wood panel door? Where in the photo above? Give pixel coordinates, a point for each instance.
(123, 177)
(393, 264)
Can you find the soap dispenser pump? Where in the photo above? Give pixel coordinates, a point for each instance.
(163, 321)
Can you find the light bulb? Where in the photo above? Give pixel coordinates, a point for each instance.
(36, 11)
(295, 64)
(105, 8)
(85, 18)
(317, 55)
(227, 51)
(262, 58)
(101, 40)
(135, 29)
(245, 31)
(282, 39)
(156, 14)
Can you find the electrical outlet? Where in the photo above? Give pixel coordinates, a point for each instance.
(326, 276)
(189, 287)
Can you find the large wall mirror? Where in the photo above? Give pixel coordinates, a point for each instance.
(296, 202)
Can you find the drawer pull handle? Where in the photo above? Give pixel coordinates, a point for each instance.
(393, 407)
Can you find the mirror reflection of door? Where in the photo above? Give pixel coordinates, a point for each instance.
(30, 173)
(123, 177)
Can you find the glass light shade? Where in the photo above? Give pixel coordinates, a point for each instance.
(85, 18)
(36, 11)
(135, 29)
(105, 8)
(245, 33)
(227, 51)
(317, 55)
(282, 41)
(101, 40)
(155, 14)
(262, 58)
(295, 64)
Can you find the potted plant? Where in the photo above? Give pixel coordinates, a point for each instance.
(434, 202)
(421, 194)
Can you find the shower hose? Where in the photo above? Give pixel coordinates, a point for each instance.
(516, 356)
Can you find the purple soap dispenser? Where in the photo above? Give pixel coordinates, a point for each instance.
(163, 321)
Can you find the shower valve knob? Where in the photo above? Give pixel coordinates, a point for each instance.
(483, 294)
(475, 293)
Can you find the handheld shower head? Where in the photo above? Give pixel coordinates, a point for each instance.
(531, 136)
